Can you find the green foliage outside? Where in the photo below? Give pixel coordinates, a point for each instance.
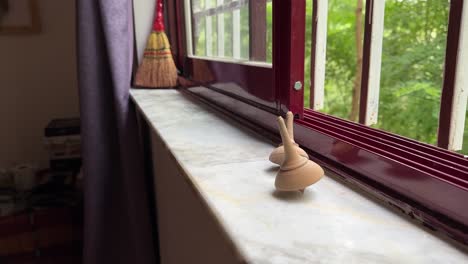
(412, 65)
(412, 62)
(412, 68)
(199, 31)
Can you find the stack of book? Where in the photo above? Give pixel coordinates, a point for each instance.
(62, 138)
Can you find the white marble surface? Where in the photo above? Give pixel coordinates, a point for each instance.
(330, 223)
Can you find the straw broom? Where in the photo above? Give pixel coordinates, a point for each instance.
(157, 68)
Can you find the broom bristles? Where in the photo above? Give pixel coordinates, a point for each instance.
(157, 68)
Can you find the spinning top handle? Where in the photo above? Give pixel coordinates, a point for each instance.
(285, 137)
(290, 124)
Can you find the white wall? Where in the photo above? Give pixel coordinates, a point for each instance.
(188, 231)
(144, 13)
(37, 82)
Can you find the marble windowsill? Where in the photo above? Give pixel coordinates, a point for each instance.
(330, 223)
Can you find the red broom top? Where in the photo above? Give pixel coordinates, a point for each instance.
(158, 24)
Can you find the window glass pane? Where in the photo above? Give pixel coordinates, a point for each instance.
(413, 54)
(213, 36)
(245, 38)
(345, 33)
(228, 34)
(199, 36)
(269, 28)
(224, 28)
(198, 5)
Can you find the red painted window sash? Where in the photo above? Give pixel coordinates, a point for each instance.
(274, 87)
(257, 21)
(313, 52)
(451, 57)
(288, 53)
(366, 53)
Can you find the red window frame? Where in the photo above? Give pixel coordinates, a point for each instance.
(273, 87)
(423, 181)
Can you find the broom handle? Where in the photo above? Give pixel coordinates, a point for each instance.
(158, 24)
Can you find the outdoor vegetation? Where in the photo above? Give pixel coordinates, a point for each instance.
(413, 55)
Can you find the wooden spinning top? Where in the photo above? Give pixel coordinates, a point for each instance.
(296, 172)
(277, 155)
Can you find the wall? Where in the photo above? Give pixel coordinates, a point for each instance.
(37, 82)
(188, 231)
(144, 13)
